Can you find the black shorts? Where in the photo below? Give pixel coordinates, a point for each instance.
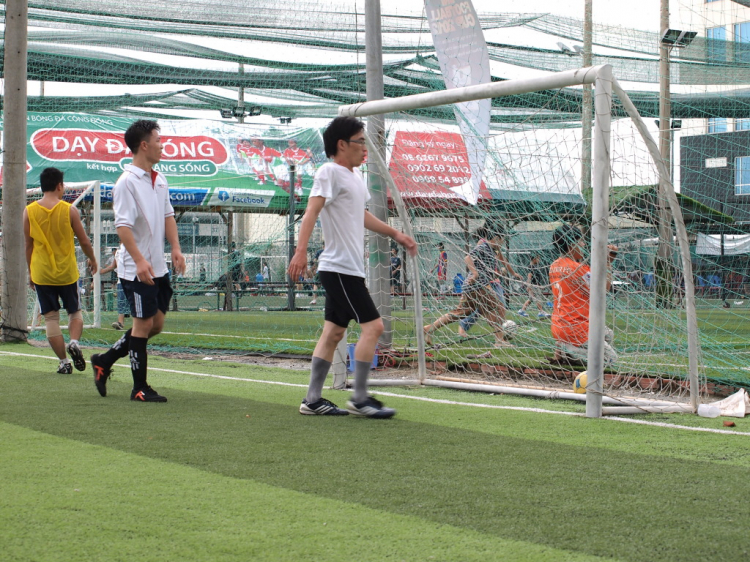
(146, 300)
(347, 298)
(50, 295)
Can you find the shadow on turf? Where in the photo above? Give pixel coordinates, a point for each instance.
(647, 508)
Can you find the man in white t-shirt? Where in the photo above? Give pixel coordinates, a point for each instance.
(143, 218)
(338, 197)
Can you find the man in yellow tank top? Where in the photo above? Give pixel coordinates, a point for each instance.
(49, 226)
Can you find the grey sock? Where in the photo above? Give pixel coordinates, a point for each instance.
(318, 372)
(361, 372)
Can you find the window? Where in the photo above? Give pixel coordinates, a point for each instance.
(717, 44)
(742, 124)
(717, 125)
(742, 175)
(742, 42)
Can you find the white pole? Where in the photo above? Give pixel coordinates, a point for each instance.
(587, 101)
(599, 233)
(681, 232)
(551, 394)
(636, 410)
(470, 93)
(379, 246)
(98, 253)
(416, 278)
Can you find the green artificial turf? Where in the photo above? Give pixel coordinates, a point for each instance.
(228, 470)
(648, 343)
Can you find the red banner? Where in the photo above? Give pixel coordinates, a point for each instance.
(101, 146)
(427, 165)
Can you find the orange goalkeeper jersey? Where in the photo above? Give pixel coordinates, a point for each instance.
(570, 289)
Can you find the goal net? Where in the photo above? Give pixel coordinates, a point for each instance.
(642, 321)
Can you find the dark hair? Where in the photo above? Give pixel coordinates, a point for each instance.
(564, 237)
(138, 132)
(50, 178)
(341, 128)
(491, 229)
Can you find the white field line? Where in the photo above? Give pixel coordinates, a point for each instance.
(423, 399)
(231, 336)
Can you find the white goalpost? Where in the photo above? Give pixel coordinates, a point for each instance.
(605, 85)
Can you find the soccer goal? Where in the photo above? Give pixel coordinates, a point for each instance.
(89, 285)
(531, 184)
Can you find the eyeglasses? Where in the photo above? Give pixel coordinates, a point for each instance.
(361, 142)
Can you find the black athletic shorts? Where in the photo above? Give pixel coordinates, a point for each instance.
(146, 300)
(347, 298)
(50, 295)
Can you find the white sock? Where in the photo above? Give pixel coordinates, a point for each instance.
(73, 342)
(64, 361)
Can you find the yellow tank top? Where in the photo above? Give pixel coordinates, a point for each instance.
(53, 261)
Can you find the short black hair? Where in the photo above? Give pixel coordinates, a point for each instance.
(50, 178)
(564, 237)
(138, 132)
(341, 128)
(491, 229)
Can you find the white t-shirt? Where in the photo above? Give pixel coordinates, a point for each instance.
(342, 218)
(141, 202)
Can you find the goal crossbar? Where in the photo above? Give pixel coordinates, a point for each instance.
(554, 81)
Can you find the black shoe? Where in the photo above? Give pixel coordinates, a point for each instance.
(101, 374)
(321, 407)
(65, 369)
(370, 408)
(147, 394)
(75, 354)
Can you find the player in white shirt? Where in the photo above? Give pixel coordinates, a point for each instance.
(143, 217)
(338, 197)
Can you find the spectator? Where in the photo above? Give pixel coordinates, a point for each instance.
(396, 268)
(535, 280)
(458, 283)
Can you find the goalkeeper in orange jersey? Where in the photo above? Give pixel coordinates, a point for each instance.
(570, 279)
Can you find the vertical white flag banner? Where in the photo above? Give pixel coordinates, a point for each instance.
(464, 60)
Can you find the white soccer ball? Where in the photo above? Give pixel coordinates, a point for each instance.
(509, 329)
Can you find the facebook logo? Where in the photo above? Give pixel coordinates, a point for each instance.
(223, 196)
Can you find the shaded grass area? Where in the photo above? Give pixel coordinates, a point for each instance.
(67, 500)
(488, 472)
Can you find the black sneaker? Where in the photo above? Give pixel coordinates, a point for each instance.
(65, 369)
(147, 394)
(370, 408)
(321, 407)
(101, 374)
(75, 354)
